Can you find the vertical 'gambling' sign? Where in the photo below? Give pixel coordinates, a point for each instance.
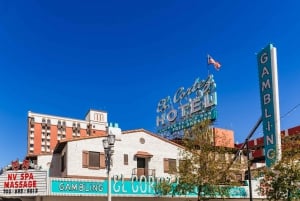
(268, 87)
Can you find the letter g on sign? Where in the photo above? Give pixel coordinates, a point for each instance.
(264, 58)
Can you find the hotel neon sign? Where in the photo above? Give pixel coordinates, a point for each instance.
(187, 107)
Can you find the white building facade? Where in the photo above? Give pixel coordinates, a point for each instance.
(136, 153)
(76, 170)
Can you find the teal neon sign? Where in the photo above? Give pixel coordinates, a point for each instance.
(187, 107)
(78, 187)
(143, 187)
(268, 87)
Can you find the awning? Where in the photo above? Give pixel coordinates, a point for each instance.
(143, 154)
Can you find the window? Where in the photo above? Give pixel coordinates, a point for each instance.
(142, 140)
(125, 159)
(181, 163)
(141, 162)
(93, 160)
(32, 122)
(169, 165)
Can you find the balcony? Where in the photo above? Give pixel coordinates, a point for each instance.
(143, 171)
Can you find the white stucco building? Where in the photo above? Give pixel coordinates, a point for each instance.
(136, 152)
(75, 169)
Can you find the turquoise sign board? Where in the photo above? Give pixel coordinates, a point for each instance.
(78, 187)
(268, 87)
(120, 187)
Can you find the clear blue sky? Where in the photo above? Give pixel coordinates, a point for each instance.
(64, 57)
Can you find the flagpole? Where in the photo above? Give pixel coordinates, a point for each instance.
(207, 65)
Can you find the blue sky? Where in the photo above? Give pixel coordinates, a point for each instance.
(65, 57)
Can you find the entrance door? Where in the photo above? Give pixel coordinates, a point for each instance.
(141, 165)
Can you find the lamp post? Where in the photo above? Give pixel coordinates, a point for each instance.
(108, 144)
(249, 170)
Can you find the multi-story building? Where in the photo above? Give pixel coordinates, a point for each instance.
(66, 160)
(77, 169)
(44, 131)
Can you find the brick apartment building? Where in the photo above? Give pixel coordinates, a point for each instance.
(44, 131)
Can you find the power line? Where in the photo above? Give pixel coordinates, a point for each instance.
(285, 115)
(290, 111)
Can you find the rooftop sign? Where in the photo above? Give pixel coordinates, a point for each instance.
(187, 107)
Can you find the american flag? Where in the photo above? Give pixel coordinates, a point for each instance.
(216, 64)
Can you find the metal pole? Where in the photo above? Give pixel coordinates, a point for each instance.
(108, 175)
(246, 141)
(249, 170)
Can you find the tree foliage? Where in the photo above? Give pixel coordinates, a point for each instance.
(282, 180)
(201, 169)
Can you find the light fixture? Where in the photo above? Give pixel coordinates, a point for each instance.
(111, 139)
(105, 143)
(108, 145)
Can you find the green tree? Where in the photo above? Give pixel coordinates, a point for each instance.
(282, 180)
(201, 169)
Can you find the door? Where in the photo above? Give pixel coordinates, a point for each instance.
(141, 165)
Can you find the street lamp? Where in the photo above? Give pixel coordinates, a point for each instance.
(249, 170)
(108, 144)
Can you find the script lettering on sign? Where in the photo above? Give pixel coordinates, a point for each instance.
(187, 106)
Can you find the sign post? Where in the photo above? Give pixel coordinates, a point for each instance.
(268, 87)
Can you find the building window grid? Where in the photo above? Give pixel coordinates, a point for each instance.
(76, 129)
(88, 129)
(45, 134)
(31, 122)
(61, 130)
(31, 140)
